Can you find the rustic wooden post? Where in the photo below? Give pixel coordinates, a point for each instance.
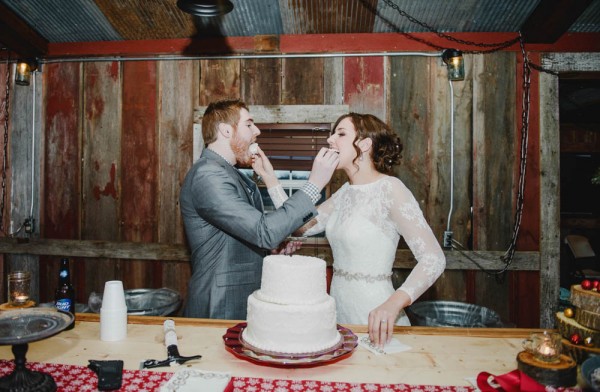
(24, 151)
(550, 174)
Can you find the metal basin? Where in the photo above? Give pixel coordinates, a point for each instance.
(452, 314)
(144, 302)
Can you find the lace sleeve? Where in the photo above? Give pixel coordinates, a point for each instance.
(317, 224)
(411, 224)
(277, 195)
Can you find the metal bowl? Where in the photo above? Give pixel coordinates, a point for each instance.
(452, 314)
(144, 302)
(152, 302)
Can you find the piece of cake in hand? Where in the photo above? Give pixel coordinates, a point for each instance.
(253, 148)
(292, 312)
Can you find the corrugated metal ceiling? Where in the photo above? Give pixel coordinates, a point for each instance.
(110, 20)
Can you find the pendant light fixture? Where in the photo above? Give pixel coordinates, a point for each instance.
(24, 70)
(456, 66)
(205, 7)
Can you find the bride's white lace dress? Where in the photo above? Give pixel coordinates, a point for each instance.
(363, 224)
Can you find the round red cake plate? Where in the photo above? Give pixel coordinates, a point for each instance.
(236, 345)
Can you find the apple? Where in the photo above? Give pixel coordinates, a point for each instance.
(576, 338)
(586, 284)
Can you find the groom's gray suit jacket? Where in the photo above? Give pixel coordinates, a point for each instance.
(229, 234)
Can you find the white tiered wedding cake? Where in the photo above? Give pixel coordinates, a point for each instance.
(292, 312)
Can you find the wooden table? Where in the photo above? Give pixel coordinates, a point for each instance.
(439, 356)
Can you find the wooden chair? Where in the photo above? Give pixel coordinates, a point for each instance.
(583, 262)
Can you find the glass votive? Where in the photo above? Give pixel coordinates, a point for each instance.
(19, 285)
(545, 346)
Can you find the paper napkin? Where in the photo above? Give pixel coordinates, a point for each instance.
(394, 346)
(193, 380)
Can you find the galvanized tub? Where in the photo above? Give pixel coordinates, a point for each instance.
(452, 314)
(144, 302)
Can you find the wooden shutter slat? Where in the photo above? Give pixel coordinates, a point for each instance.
(282, 143)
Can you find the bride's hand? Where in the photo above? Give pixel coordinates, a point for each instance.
(263, 167)
(287, 248)
(383, 318)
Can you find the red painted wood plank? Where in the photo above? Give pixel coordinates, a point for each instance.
(139, 164)
(4, 68)
(101, 165)
(369, 42)
(314, 43)
(529, 235)
(144, 47)
(524, 304)
(139, 152)
(364, 85)
(62, 174)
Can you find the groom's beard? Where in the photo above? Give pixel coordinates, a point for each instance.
(240, 150)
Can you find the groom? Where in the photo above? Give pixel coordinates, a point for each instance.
(227, 229)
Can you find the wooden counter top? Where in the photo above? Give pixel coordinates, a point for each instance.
(439, 356)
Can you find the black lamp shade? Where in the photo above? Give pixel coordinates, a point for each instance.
(205, 7)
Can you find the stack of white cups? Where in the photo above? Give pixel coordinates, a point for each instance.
(113, 313)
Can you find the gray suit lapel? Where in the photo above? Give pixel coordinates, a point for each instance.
(246, 183)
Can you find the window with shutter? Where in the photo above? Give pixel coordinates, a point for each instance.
(291, 148)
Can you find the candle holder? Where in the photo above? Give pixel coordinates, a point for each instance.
(19, 328)
(545, 346)
(19, 289)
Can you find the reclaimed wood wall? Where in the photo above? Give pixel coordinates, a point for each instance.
(118, 140)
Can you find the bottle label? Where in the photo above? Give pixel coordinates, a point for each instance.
(63, 304)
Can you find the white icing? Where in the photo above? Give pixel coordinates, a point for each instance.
(291, 329)
(292, 312)
(253, 148)
(293, 280)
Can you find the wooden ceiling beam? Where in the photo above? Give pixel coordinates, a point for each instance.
(551, 19)
(19, 37)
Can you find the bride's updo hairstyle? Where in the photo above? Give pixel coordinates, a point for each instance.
(386, 149)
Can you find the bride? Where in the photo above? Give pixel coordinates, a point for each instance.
(363, 222)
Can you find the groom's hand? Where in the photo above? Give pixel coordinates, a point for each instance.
(323, 167)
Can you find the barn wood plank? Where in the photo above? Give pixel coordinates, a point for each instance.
(549, 153)
(524, 306)
(494, 160)
(24, 146)
(450, 285)
(456, 260)
(409, 117)
(302, 81)
(288, 113)
(364, 85)
(101, 164)
(5, 67)
(179, 91)
(62, 172)
(219, 79)
(572, 61)
(333, 81)
(261, 81)
(139, 161)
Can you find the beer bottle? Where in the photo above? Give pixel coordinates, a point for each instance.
(64, 296)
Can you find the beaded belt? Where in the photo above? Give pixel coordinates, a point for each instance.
(360, 276)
